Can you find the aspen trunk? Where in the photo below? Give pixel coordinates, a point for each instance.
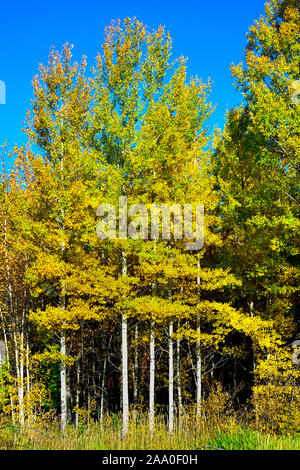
(136, 365)
(77, 393)
(198, 373)
(63, 369)
(152, 376)
(11, 307)
(21, 377)
(125, 399)
(8, 367)
(152, 365)
(27, 366)
(21, 366)
(5, 337)
(63, 383)
(171, 379)
(178, 371)
(198, 356)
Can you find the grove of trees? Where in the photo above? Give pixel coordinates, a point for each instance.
(91, 326)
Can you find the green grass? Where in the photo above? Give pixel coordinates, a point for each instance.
(247, 439)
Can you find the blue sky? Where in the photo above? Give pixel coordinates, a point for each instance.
(212, 34)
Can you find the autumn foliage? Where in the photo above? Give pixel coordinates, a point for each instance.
(92, 327)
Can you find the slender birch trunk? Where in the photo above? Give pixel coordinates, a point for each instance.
(199, 367)
(8, 367)
(4, 336)
(171, 379)
(10, 297)
(152, 376)
(63, 383)
(63, 369)
(178, 371)
(136, 365)
(125, 399)
(121, 378)
(27, 365)
(77, 393)
(21, 378)
(152, 364)
(20, 345)
(79, 375)
(198, 356)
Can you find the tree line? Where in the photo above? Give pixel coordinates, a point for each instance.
(91, 326)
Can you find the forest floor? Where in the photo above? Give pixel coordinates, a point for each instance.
(107, 436)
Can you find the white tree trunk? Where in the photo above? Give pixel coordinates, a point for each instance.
(125, 399)
(152, 364)
(63, 369)
(152, 376)
(27, 366)
(63, 383)
(199, 366)
(21, 376)
(11, 308)
(8, 367)
(198, 356)
(77, 393)
(136, 365)
(171, 379)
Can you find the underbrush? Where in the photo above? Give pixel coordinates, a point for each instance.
(188, 434)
